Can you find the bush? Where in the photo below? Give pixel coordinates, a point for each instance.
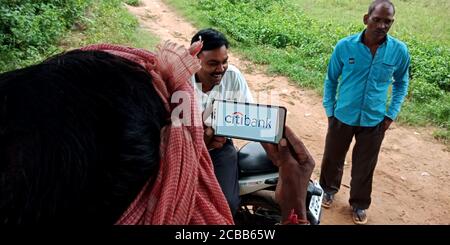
(422, 91)
(430, 62)
(29, 29)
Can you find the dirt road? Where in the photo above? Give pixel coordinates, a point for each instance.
(412, 179)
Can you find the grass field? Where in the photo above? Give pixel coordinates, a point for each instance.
(428, 20)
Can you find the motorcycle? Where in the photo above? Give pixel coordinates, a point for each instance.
(257, 181)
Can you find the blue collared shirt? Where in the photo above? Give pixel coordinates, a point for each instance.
(360, 96)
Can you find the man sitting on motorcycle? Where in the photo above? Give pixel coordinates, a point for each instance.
(217, 79)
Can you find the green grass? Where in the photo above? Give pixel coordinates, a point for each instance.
(108, 21)
(133, 2)
(296, 38)
(425, 19)
(189, 10)
(442, 135)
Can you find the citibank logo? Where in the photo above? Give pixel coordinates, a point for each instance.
(238, 118)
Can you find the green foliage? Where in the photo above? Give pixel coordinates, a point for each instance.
(443, 135)
(430, 62)
(436, 111)
(29, 29)
(292, 42)
(133, 2)
(421, 91)
(110, 22)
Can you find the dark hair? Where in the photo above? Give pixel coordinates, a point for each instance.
(212, 39)
(79, 137)
(375, 3)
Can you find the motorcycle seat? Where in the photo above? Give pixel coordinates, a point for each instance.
(253, 160)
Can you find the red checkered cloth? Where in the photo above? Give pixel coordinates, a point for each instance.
(186, 190)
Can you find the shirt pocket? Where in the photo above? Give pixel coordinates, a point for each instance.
(385, 72)
(354, 71)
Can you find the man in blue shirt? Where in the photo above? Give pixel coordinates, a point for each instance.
(356, 104)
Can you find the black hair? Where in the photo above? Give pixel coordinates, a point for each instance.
(79, 137)
(212, 39)
(375, 3)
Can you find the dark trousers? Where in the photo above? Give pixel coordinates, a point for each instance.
(364, 159)
(226, 169)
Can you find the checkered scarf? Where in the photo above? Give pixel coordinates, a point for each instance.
(185, 190)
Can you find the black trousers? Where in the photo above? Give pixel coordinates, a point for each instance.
(226, 169)
(364, 159)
